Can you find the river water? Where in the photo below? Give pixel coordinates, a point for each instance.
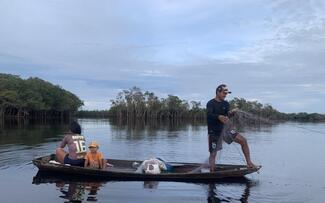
(291, 155)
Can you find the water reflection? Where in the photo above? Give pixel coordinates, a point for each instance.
(150, 184)
(21, 143)
(154, 125)
(80, 190)
(72, 190)
(139, 128)
(216, 196)
(31, 133)
(13, 122)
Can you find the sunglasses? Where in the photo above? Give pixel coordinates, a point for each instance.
(226, 91)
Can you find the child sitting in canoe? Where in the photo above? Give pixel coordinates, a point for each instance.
(94, 158)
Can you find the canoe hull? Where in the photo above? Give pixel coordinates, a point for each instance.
(123, 171)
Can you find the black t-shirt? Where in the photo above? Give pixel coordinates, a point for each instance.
(215, 109)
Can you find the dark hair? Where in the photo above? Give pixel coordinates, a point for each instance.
(75, 127)
(220, 87)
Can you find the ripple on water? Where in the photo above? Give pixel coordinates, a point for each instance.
(20, 155)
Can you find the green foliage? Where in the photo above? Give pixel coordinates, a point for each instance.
(267, 111)
(256, 108)
(303, 116)
(32, 95)
(134, 103)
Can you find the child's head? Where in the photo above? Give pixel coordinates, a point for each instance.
(93, 147)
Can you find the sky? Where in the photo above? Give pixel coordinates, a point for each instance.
(270, 51)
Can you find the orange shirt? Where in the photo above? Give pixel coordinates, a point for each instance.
(93, 159)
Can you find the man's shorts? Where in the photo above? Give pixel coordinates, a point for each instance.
(229, 136)
(74, 162)
(215, 141)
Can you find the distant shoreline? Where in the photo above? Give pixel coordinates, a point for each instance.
(38, 99)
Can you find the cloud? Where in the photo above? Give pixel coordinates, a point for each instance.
(271, 51)
(154, 73)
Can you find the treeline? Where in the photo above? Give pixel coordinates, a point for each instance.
(257, 109)
(35, 98)
(136, 104)
(303, 116)
(268, 112)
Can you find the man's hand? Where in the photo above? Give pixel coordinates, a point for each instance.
(233, 110)
(223, 119)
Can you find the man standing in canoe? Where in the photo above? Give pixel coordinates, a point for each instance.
(217, 115)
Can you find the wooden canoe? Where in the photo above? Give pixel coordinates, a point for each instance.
(123, 170)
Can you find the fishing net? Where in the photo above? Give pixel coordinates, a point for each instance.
(242, 119)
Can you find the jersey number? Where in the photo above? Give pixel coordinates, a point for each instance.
(80, 145)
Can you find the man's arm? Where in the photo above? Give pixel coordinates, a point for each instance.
(214, 116)
(232, 112)
(63, 142)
